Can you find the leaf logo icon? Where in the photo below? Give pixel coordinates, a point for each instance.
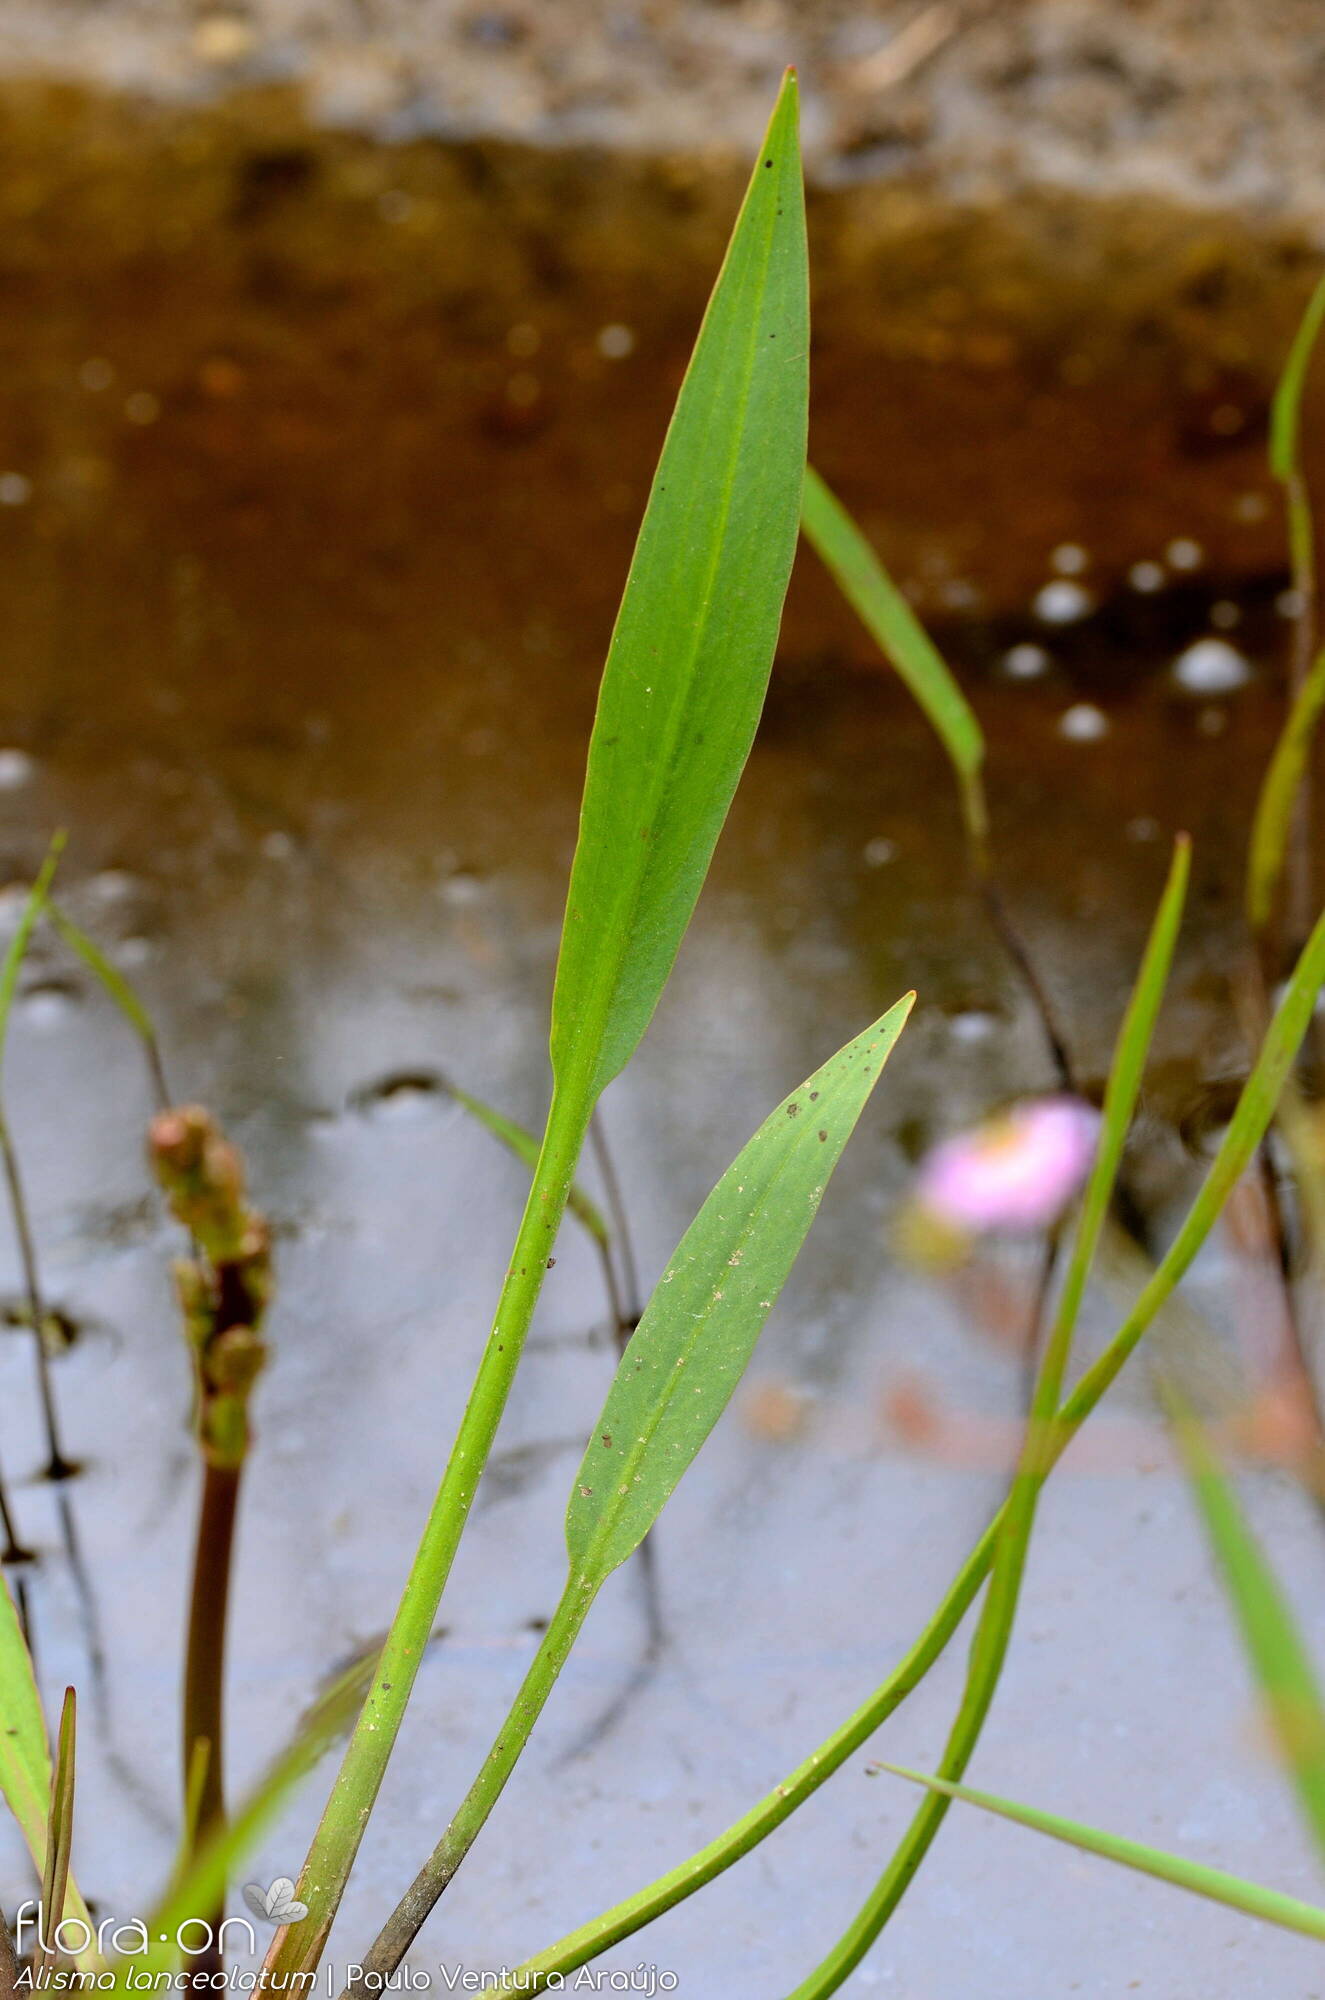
(277, 1904)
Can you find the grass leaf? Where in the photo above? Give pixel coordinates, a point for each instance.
(701, 1324)
(118, 990)
(1231, 1890)
(993, 1633)
(1278, 796)
(1274, 1646)
(1286, 408)
(693, 645)
(59, 1834)
(894, 626)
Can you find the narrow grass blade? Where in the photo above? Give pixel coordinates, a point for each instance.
(16, 951)
(59, 1835)
(118, 990)
(525, 1147)
(1275, 809)
(894, 626)
(1286, 409)
(1231, 1890)
(1274, 1646)
(681, 695)
(700, 1327)
(1278, 796)
(993, 1633)
(690, 657)
(673, 1383)
(58, 1465)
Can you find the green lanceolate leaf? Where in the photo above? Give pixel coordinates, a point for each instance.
(894, 626)
(26, 1776)
(525, 1147)
(682, 690)
(1231, 1890)
(700, 1327)
(673, 1383)
(690, 657)
(25, 1758)
(1274, 1646)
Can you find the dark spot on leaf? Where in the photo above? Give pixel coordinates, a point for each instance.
(792, 1109)
(607, 1440)
(823, 1135)
(768, 163)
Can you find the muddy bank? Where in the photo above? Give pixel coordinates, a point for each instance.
(244, 334)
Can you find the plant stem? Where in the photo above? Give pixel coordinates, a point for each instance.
(299, 1948)
(411, 1912)
(631, 1305)
(1005, 931)
(57, 1465)
(204, 1671)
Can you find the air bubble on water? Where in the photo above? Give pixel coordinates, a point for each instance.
(877, 853)
(1212, 721)
(1211, 666)
(49, 1004)
(462, 889)
(1142, 828)
(112, 885)
(142, 407)
(135, 952)
(1062, 602)
(96, 374)
(1025, 662)
(277, 846)
(15, 489)
(523, 339)
(1251, 506)
(1184, 554)
(959, 594)
(16, 769)
(972, 1025)
(615, 342)
(395, 205)
(1225, 614)
(1069, 559)
(1083, 723)
(1290, 603)
(1147, 577)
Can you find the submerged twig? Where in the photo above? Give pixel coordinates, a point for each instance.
(58, 1464)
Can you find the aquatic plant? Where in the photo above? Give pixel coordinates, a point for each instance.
(680, 699)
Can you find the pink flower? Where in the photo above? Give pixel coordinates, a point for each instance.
(1017, 1171)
